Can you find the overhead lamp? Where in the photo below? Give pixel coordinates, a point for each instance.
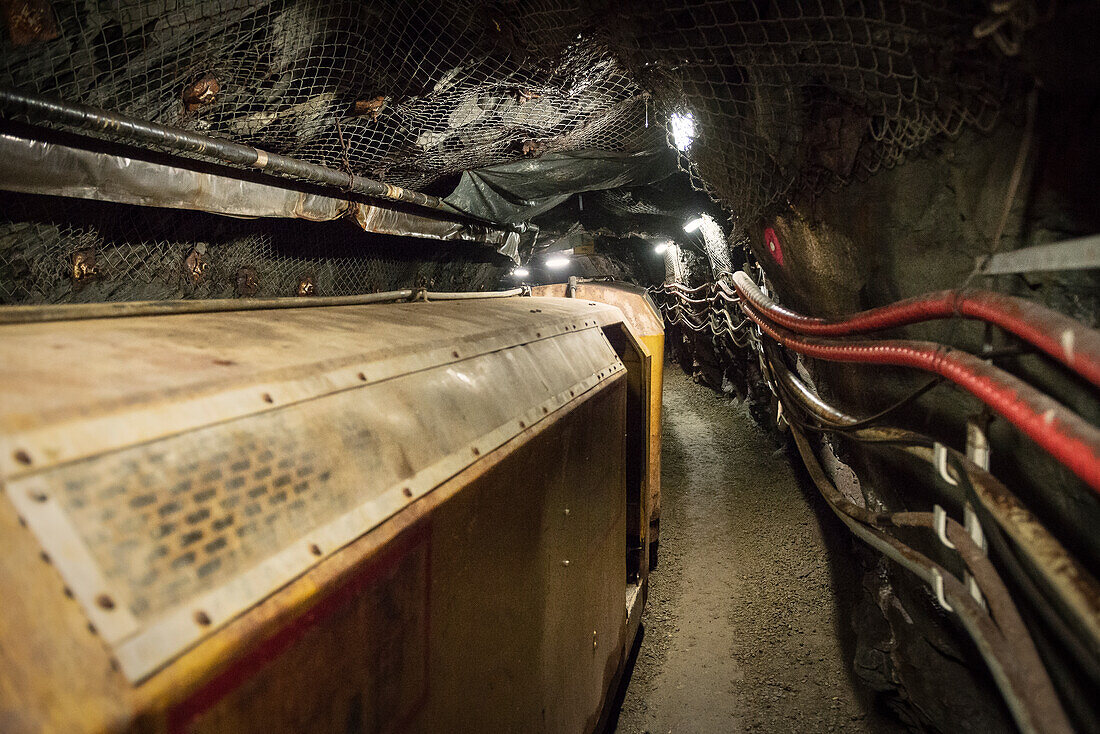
(557, 262)
(694, 224)
(683, 129)
(661, 247)
(521, 272)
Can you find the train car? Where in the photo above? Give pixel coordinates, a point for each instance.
(341, 516)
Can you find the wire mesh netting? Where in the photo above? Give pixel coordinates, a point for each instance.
(86, 251)
(771, 97)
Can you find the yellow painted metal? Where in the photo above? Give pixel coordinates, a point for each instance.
(655, 344)
(645, 322)
(439, 492)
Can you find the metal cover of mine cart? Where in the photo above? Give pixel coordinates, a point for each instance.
(189, 468)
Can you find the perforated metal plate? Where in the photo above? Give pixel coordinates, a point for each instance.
(164, 541)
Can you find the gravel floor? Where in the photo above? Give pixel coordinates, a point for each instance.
(742, 631)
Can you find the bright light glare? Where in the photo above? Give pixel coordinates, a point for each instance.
(660, 249)
(557, 263)
(521, 272)
(683, 129)
(693, 225)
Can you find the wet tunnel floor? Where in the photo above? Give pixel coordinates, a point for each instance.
(741, 631)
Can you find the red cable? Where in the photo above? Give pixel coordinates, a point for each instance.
(1062, 433)
(1066, 340)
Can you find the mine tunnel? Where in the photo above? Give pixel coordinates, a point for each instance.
(560, 366)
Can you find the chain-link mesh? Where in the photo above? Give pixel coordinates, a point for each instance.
(791, 97)
(86, 251)
(779, 97)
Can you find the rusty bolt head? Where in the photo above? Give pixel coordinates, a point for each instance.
(523, 96)
(29, 21)
(371, 107)
(305, 286)
(202, 93)
(195, 265)
(84, 267)
(247, 284)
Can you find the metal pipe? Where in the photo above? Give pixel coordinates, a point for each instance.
(40, 109)
(84, 311)
(468, 295)
(804, 394)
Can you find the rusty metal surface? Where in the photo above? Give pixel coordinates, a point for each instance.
(29, 21)
(196, 463)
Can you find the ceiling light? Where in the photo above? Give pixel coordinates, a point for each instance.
(660, 249)
(693, 225)
(683, 129)
(557, 262)
(521, 272)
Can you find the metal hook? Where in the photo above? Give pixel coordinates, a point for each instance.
(939, 460)
(937, 585)
(939, 520)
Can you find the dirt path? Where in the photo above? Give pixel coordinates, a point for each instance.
(742, 632)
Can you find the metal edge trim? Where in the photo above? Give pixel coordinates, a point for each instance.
(87, 437)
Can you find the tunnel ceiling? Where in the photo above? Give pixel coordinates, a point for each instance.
(761, 100)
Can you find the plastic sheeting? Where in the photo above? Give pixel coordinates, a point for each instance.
(38, 167)
(517, 191)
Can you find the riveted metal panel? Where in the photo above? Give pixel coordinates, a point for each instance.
(164, 541)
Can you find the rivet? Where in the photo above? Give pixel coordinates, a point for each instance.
(407, 492)
(476, 450)
(565, 563)
(315, 549)
(105, 602)
(362, 377)
(522, 424)
(38, 496)
(267, 398)
(454, 354)
(202, 618)
(22, 457)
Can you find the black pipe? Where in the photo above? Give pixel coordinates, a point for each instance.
(41, 109)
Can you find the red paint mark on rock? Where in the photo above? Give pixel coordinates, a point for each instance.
(772, 241)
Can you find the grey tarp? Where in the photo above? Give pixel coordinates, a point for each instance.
(515, 192)
(37, 167)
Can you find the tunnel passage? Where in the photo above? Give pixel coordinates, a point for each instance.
(746, 627)
(871, 227)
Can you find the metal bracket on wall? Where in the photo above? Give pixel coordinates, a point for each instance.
(939, 459)
(1076, 254)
